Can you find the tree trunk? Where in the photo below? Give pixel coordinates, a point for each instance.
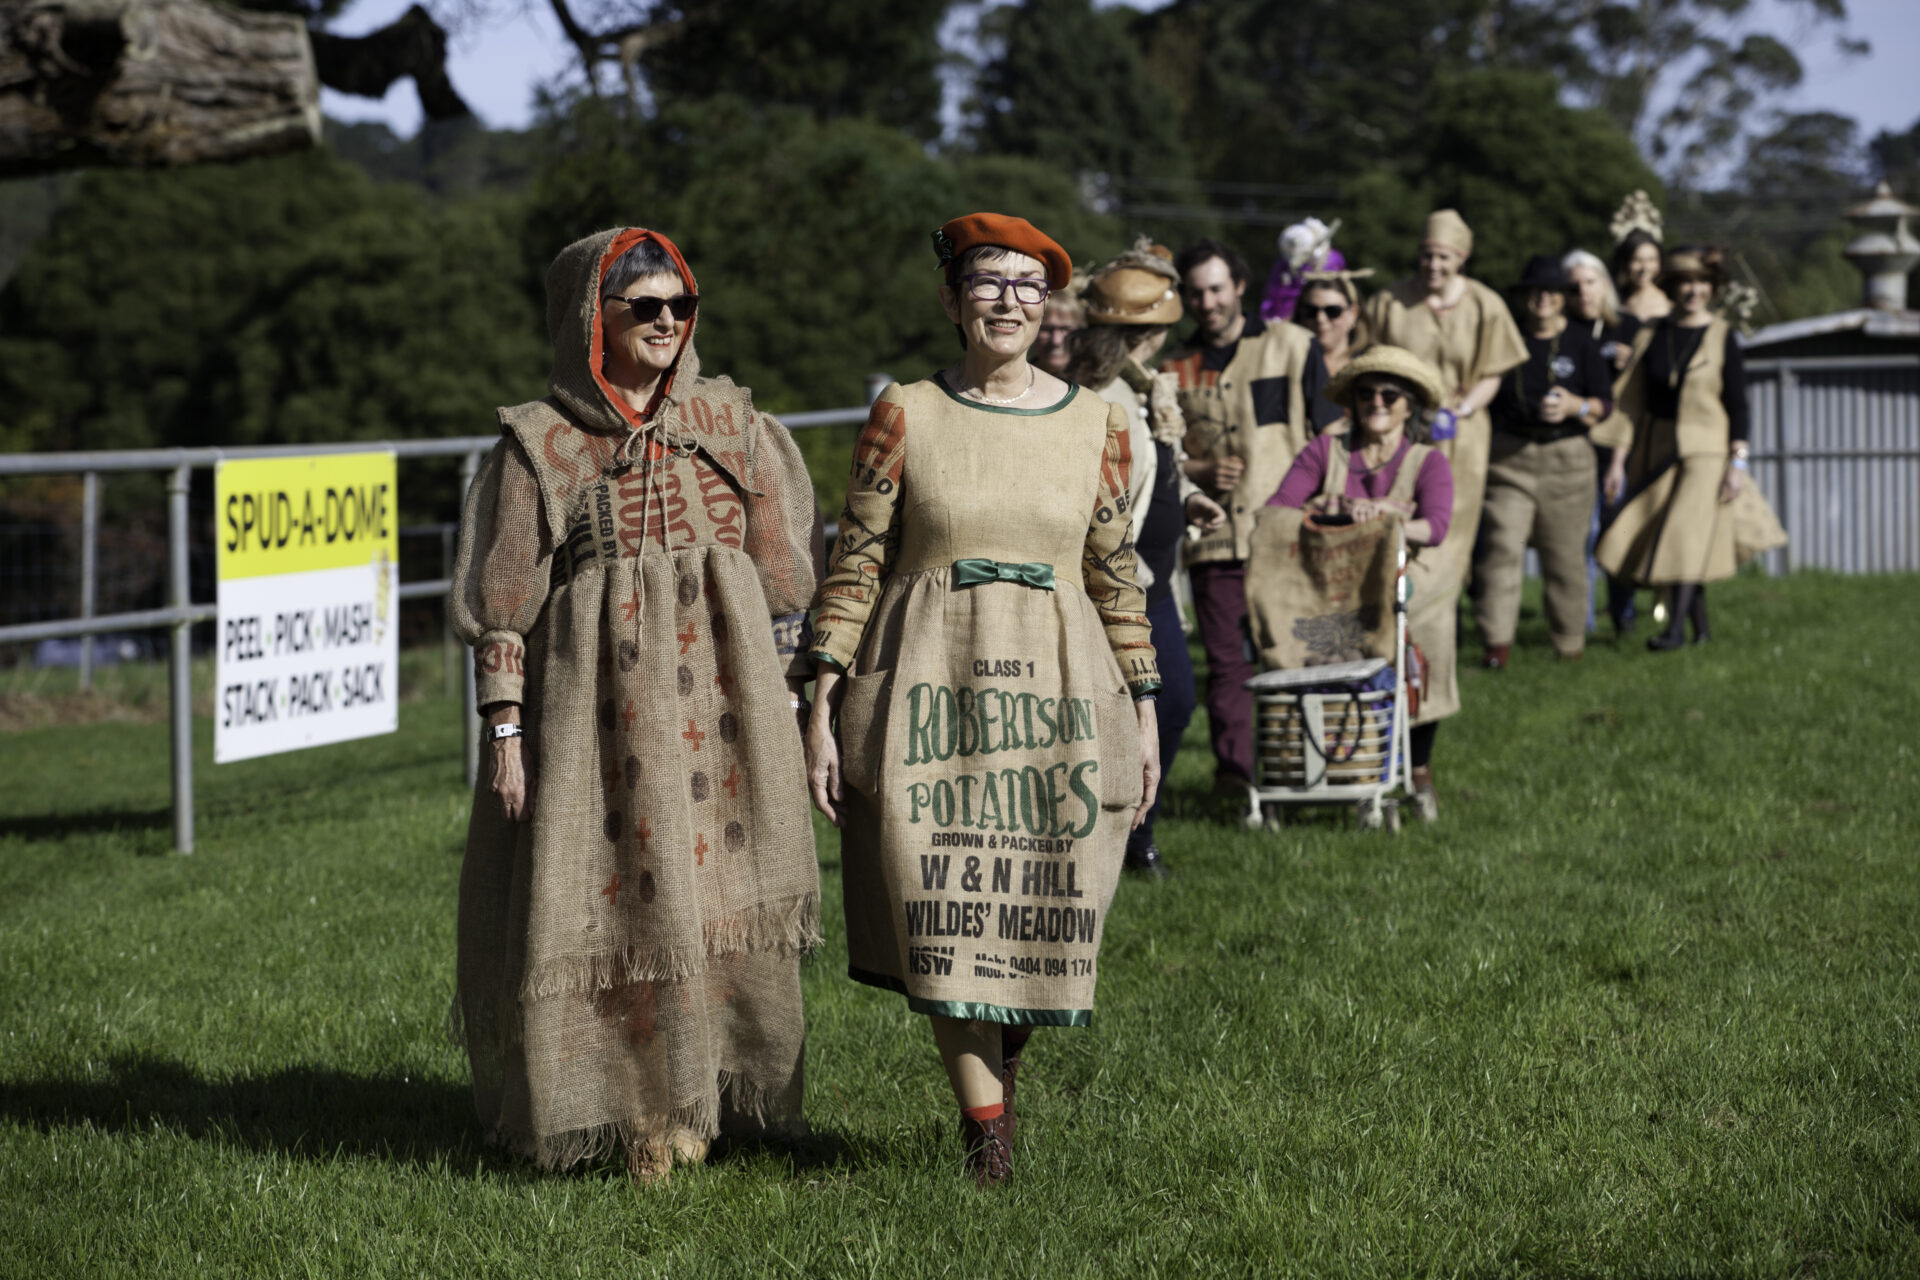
(150, 83)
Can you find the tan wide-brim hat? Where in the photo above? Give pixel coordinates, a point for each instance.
(1394, 362)
(1132, 295)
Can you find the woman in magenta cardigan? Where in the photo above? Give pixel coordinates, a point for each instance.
(1390, 396)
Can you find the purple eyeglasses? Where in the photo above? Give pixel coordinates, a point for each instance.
(990, 288)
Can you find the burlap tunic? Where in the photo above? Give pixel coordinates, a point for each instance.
(629, 959)
(1672, 526)
(989, 743)
(1475, 338)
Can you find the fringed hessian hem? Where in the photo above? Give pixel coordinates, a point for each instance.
(791, 927)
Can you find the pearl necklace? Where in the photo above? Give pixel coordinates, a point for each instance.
(981, 392)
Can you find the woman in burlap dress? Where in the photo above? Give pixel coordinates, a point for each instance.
(640, 879)
(1383, 464)
(982, 638)
(1690, 514)
(1465, 331)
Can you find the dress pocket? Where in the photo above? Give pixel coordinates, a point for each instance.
(1119, 751)
(863, 724)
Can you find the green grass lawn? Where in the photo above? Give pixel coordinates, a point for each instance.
(1642, 1004)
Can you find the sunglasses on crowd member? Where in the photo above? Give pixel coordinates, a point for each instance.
(1389, 396)
(1333, 312)
(990, 288)
(646, 308)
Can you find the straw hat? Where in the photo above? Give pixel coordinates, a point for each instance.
(1392, 362)
(1138, 287)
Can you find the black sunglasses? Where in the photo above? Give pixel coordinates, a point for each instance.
(646, 308)
(1333, 312)
(1389, 396)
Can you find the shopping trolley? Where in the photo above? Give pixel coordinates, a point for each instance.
(1336, 734)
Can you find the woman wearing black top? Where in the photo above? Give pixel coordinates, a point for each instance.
(1687, 400)
(1540, 475)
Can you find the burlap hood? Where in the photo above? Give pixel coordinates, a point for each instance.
(573, 326)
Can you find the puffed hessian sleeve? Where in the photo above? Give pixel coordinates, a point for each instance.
(869, 535)
(783, 539)
(1107, 564)
(501, 574)
(1498, 346)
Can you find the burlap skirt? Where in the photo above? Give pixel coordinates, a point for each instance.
(629, 959)
(1433, 623)
(1467, 457)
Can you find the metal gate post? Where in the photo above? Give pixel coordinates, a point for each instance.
(470, 697)
(89, 556)
(180, 660)
(449, 642)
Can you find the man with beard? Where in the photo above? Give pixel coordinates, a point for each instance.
(1250, 390)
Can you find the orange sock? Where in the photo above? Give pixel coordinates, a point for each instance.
(992, 1111)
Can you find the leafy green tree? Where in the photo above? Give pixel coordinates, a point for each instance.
(275, 301)
(1529, 174)
(1896, 160)
(1068, 87)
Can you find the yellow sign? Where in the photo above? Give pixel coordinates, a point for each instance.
(295, 515)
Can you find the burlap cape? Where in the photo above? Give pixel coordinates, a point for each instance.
(628, 959)
(990, 747)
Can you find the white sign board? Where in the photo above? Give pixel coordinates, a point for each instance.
(309, 639)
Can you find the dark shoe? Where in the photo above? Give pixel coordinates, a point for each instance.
(1701, 637)
(1145, 860)
(1495, 658)
(989, 1151)
(1230, 785)
(1667, 641)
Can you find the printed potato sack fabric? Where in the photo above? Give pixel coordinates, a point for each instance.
(628, 960)
(1320, 594)
(983, 596)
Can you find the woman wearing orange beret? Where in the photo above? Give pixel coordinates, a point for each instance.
(984, 732)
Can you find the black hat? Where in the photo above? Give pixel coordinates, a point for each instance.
(1543, 272)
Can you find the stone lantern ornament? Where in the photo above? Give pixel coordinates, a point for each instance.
(1885, 248)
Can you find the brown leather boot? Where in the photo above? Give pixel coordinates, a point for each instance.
(1012, 1041)
(989, 1149)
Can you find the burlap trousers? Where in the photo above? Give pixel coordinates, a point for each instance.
(1541, 494)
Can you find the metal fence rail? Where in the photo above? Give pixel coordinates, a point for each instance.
(1836, 449)
(178, 616)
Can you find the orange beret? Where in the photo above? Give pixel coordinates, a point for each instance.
(1017, 234)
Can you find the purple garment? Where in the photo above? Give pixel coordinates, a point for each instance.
(1220, 609)
(1432, 488)
(1285, 285)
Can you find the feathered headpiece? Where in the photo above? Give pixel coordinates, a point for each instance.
(1636, 213)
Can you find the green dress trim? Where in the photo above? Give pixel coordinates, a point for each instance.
(972, 1012)
(1073, 389)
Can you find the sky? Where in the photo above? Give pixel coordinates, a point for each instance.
(496, 63)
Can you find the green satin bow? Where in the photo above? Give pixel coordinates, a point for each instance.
(971, 573)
